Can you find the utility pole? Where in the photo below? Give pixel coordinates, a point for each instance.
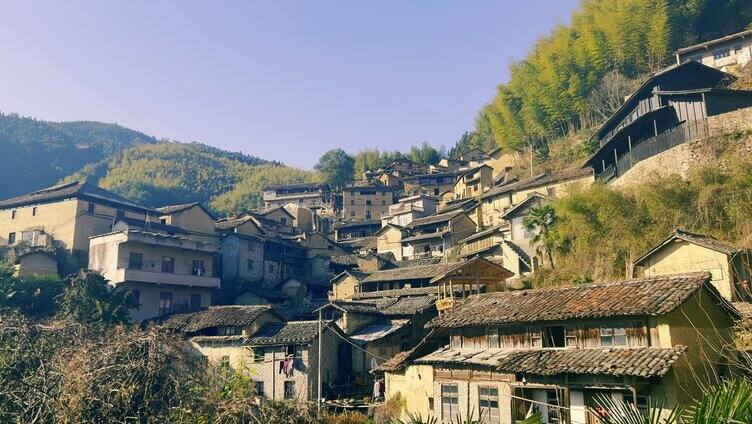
(318, 391)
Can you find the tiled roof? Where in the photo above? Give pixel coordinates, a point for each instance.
(233, 222)
(416, 262)
(344, 260)
(368, 308)
(148, 225)
(714, 41)
(165, 210)
(539, 180)
(530, 199)
(636, 297)
(481, 234)
(637, 362)
(296, 186)
(214, 316)
(434, 219)
(292, 332)
(426, 236)
(69, 190)
(378, 331)
(409, 273)
(404, 306)
(459, 204)
(698, 239)
(415, 291)
(357, 224)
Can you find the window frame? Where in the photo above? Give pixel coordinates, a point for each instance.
(168, 264)
(12, 237)
(132, 261)
(489, 398)
(449, 401)
(616, 330)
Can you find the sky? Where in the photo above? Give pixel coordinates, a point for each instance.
(283, 80)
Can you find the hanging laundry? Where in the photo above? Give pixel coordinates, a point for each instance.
(281, 367)
(374, 364)
(287, 366)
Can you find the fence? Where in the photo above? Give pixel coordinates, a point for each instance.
(683, 133)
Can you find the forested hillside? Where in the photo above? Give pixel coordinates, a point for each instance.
(577, 74)
(38, 153)
(170, 173)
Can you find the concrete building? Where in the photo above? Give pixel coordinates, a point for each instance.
(167, 270)
(434, 235)
(363, 203)
(728, 53)
(312, 195)
(69, 213)
(555, 350)
(409, 208)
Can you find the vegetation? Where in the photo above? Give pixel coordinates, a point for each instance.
(599, 231)
(336, 168)
(562, 83)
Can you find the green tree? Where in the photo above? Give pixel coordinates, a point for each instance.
(34, 296)
(541, 220)
(336, 167)
(90, 299)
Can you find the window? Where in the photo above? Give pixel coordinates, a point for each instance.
(229, 330)
(290, 350)
(258, 388)
(554, 336)
(352, 202)
(135, 260)
(289, 390)
(352, 214)
(168, 264)
(163, 221)
(283, 221)
(197, 268)
(642, 402)
(195, 301)
(383, 203)
(11, 238)
(449, 402)
(368, 202)
(436, 192)
(137, 298)
(258, 354)
(571, 337)
(165, 302)
(614, 336)
(554, 400)
(721, 53)
(493, 338)
(249, 264)
(27, 237)
(488, 403)
(120, 214)
(34, 211)
(368, 214)
(91, 207)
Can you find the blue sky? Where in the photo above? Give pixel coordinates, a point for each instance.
(283, 80)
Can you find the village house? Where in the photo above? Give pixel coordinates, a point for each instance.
(193, 218)
(366, 202)
(433, 235)
(165, 269)
(473, 154)
(669, 109)
(453, 164)
(243, 224)
(401, 277)
(729, 53)
(433, 184)
(304, 219)
(69, 213)
(322, 245)
(348, 231)
(281, 358)
(556, 350)
(683, 251)
(472, 276)
(501, 161)
(388, 179)
(495, 245)
(389, 240)
(409, 208)
(473, 182)
(405, 167)
(284, 220)
(312, 195)
(35, 262)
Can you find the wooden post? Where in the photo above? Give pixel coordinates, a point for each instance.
(274, 373)
(318, 402)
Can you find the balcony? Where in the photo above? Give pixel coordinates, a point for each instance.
(123, 275)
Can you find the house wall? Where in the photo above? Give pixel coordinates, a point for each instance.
(236, 254)
(461, 227)
(739, 52)
(680, 256)
(318, 244)
(468, 385)
(36, 264)
(415, 385)
(344, 288)
(390, 242)
(359, 202)
(556, 190)
(149, 295)
(194, 220)
(463, 189)
(283, 217)
(493, 207)
(303, 218)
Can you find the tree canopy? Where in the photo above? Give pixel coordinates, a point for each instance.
(336, 167)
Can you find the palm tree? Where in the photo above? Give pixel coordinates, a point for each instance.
(541, 219)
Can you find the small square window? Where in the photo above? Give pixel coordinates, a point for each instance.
(34, 211)
(13, 214)
(11, 238)
(91, 207)
(195, 302)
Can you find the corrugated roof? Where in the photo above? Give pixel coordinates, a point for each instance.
(636, 362)
(635, 297)
(69, 190)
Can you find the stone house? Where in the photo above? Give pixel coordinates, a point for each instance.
(35, 262)
(304, 219)
(312, 195)
(452, 164)
(388, 179)
(728, 53)
(409, 208)
(166, 269)
(389, 240)
(501, 161)
(473, 154)
(243, 224)
(473, 182)
(320, 245)
(404, 167)
(555, 350)
(669, 109)
(433, 184)
(433, 235)
(345, 284)
(683, 251)
(361, 203)
(69, 213)
(285, 221)
(193, 218)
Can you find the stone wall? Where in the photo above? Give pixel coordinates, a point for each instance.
(679, 160)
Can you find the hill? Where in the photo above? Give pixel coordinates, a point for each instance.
(39, 153)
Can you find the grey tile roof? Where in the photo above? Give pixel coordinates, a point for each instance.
(637, 297)
(357, 224)
(76, 189)
(434, 219)
(414, 291)
(405, 306)
(637, 362)
(280, 333)
(233, 222)
(297, 186)
(215, 316)
(177, 208)
(426, 236)
(416, 262)
(410, 273)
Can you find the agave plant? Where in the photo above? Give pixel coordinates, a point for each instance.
(417, 419)
(620, 412)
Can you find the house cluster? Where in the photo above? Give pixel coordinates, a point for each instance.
(410, 282)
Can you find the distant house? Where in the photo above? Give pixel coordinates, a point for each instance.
(435, 234)
(409, 208)
(682, 251)
(473, 154)
(727, 53)
(402, 277)
(668, 109)
(433, 184)
(452, 164)
(388, 179)
(243, 224)
(512, 353)
(35, 262)
(348, 231)
(389, 240)
(312, 195)
(194, 218)
(473, 182)
(404, 167)
(367, 202)
(285, 221)
(502, 161)
(69, 213)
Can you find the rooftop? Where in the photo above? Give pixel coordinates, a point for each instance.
(283, 333)
(698, 239)
(434, 219)
(166, 210)
(419, 272)
(297, 186)
(76, 189)
(214, 316)
(709, 43)
(636, 297)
